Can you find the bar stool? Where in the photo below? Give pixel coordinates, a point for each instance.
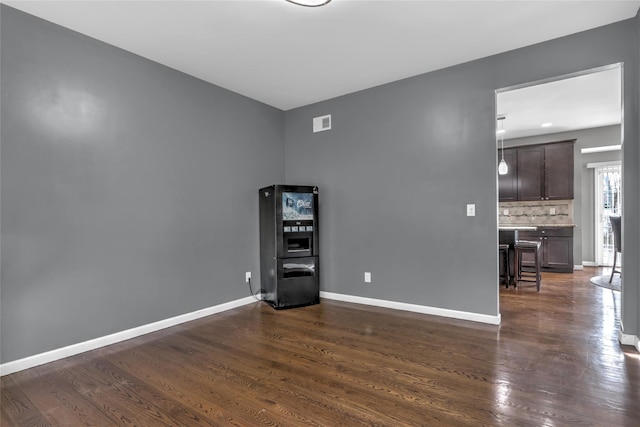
(503, 251)
(616, 229)
(525, 246)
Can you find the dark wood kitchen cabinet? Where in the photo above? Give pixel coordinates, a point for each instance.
(545, 172)
(558, 170)
(530, 173)
(557, 248)
(538, 172)
(508, 184)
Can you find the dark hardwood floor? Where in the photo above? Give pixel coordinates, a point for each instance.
(555, 360)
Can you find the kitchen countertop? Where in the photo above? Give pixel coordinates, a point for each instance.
(517, 227)
(536, 226)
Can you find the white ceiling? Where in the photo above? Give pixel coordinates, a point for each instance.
(582, 102)
(289, 56)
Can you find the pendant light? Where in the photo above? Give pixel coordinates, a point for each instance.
(503, 169)
(310, 3)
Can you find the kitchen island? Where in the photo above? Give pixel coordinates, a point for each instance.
(556, 241)
(557, 247)
(508, 235)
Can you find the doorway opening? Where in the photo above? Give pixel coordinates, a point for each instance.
(528, 109)
(608, 202)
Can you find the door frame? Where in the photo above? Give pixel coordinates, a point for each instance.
(620, 67)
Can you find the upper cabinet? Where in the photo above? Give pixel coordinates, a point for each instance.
(541, 172)
(530, 173)
(558, 171)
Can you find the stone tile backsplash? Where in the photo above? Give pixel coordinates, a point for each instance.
(543, 212)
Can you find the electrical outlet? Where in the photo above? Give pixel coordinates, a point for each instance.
(367, 277)
(552, 211)
(247, 276)
(505, 212)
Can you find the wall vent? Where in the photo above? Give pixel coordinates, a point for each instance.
(322, 123)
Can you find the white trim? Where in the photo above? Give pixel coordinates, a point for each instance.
(443, 312)
(619, 65)
(626, 339)
(601, 164)
(578, 267)
(61, 353)
(589, 263)
(601, 149)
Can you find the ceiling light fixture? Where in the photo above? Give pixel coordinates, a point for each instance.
(546, 125)
(310, 3)
(503, 168)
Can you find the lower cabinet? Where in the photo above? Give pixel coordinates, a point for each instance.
(557, 248)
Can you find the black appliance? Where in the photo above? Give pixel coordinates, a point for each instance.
(289, 245)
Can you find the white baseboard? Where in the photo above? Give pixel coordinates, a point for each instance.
(61, 353)
(578, 267)
(442, 312)
(627, 339)
(589, 263)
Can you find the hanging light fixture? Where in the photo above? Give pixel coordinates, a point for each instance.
(310, 3)
(503, 168)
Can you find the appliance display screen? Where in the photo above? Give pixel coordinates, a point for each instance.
(297, 206)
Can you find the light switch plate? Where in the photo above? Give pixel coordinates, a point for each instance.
(505, 212)
(552, 211)
(367, 277)
(471, 209)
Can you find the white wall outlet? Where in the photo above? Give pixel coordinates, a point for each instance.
(471, 209)
(247, 276)
(367, 277)
(552, 211)
(505, 212)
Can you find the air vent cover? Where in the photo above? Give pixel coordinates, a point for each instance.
(322, 123)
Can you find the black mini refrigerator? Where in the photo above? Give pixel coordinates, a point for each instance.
(289, 245)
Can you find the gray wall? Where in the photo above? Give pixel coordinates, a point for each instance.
(583, 180)
(395, 174)
(403, 160)
(129, 190)
(628, 232)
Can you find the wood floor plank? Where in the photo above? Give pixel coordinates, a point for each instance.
(162, 375)
(554, 360)
(292, 355)
(356, 373)
(121, 394)
(60, 404)
(244, 387)
(17, 408)
(212, 392)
